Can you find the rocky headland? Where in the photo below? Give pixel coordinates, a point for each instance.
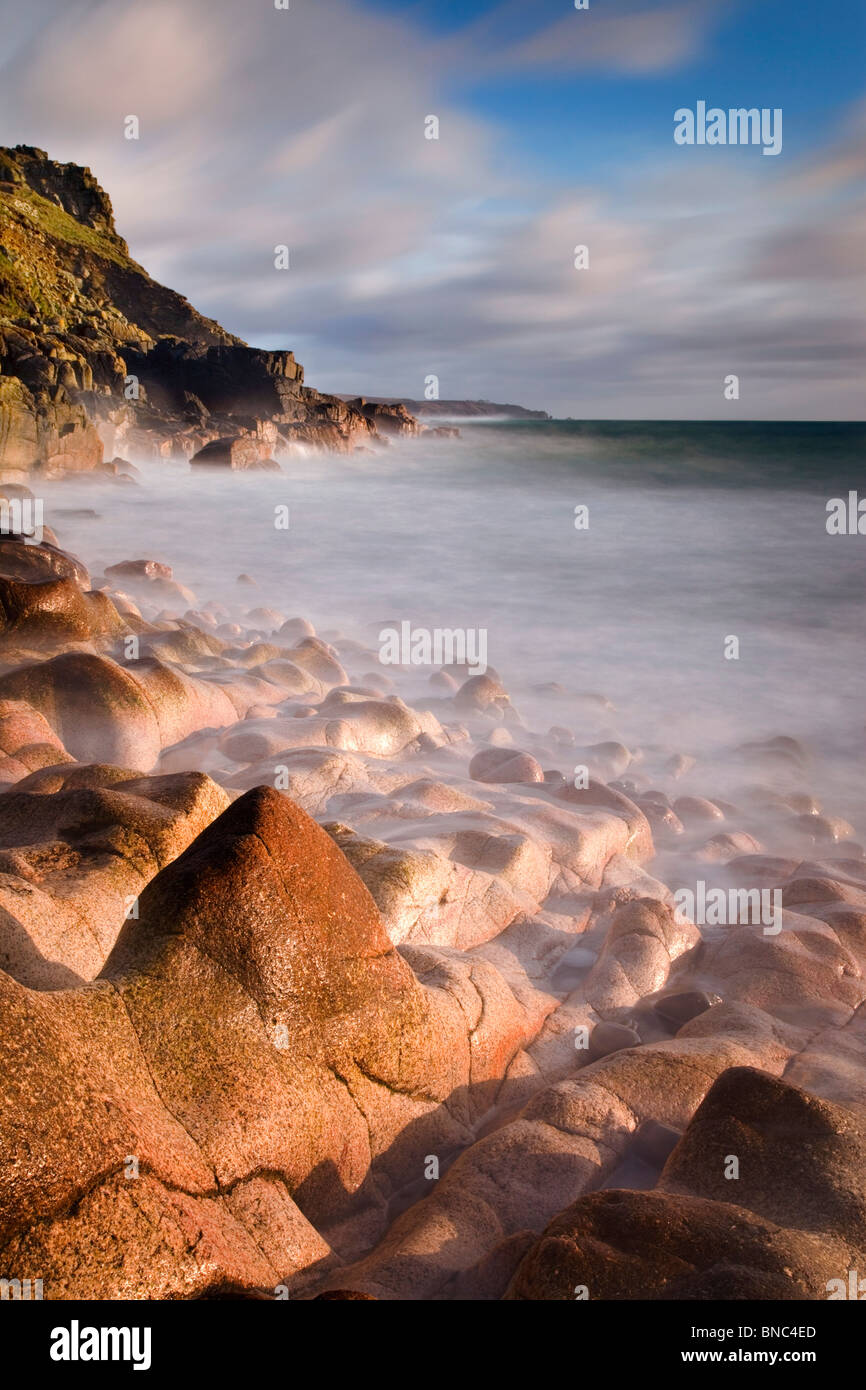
(99, 362)
(460, 409)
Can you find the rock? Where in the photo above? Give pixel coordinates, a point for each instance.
(804, 974)
(96, 708)
(801, 1160)
(504, 765)
(296, 629)
(77, 845)
(81, 318)
(240, 452)
(643, 940)
(124, 715)
(344, 1295)
(34, 564)
(679, 1008)
(818, 829)
(391, 417)
(679, 764)
(440, 680)
(654, 1143)
(722, 848)
(611, 1037)
(692, 810)
(650, 1245)
(481, 693)
(570, 1137)
(665, 824)
(27, 742)
(776, 752)
(604, 759)
(268, 619)
(139, 569)
(53, 612)
(19, 430)
(251, 1035)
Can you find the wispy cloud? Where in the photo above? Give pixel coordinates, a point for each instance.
(630, 38)
(455, 256)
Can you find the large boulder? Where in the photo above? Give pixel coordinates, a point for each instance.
(763, 1197)
(54, 611)
(242, 452)
(34, 564)
(649, 1245)
(97, 709)
(254, 1056)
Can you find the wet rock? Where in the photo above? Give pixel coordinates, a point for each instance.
(481, 693)
(504, 765)
(654, 1143)
(606, 1038)
(139, 570)
(296, 629)
(95, 707)
(692, 810)
(604, 760)
(643, 940)
(241, 452)
(679, 1008)
(664, 822)
(781, 752)
(268, 619)
(34, 564)
(721, 848)
(678, 765)
(441, 681)
(818, 829)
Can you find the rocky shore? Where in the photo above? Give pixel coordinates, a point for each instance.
(313, 986)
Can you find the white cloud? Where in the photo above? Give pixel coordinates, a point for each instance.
(413, 256)
(623, 39)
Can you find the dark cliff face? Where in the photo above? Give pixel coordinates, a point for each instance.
(68, 186)
(95, 355)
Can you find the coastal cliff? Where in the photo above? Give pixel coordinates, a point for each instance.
(97, 358)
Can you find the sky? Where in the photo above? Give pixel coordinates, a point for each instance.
(454, 258)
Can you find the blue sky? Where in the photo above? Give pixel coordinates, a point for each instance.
(807, 59)
(455, 257)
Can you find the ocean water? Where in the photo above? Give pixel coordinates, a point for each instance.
(697, 533)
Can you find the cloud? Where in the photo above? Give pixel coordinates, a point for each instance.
(636, 40)
(453, 257)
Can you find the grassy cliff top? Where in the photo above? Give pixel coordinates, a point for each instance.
(62, 259)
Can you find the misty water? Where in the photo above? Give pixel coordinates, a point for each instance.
(697, 532)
